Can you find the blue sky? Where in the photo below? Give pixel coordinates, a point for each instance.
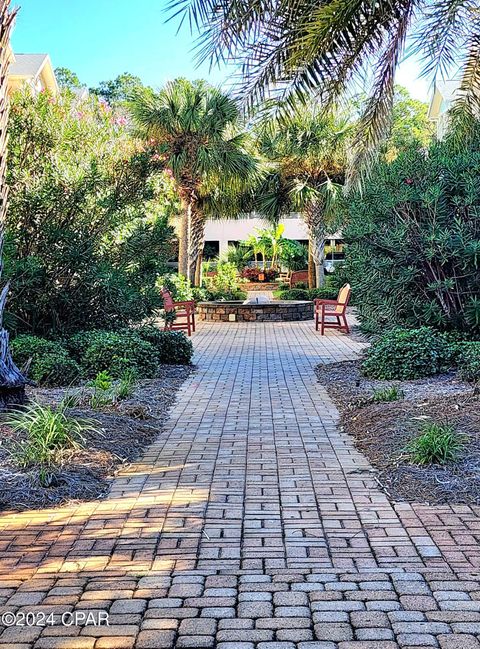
(100, 39)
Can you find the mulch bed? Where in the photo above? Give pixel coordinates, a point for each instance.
(86, 473)
(382, 430)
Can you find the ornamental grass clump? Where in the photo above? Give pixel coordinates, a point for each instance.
(436, 444)
(50, 434)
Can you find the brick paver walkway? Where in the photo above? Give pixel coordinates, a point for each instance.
(251, 522)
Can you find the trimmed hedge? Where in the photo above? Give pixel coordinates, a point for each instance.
(407, 354)
(50, 365)
(172, 347)
(116, 352)
(468, 360)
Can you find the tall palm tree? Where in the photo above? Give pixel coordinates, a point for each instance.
(195, 131)
(310, 157)
(12, 383)
(296, 49)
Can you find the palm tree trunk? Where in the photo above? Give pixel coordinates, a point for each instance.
(183, 242)
(311, 266)
(197, 236)
(314, 218)
(12, 382)
(198, 270)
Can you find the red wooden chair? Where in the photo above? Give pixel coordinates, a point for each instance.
(336, 309)
(184, 313)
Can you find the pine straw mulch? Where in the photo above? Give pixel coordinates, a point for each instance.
(382, 430)
(86, 473)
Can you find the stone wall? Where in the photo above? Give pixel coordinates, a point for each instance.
(237, 312)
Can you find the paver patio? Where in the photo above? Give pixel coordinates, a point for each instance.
(251, 522)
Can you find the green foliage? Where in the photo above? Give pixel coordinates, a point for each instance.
(178, 285)
(390, 393)
(468, 360)
(50, 433)
(406, 354)
(107, 392)
(66, 78)
(437, 444)
(326, 292)
(413, 253)
(294, 255)
(172, 347)
(239, 256)
(294, 294)
(87, 230)
(116, 352)
(50, 364)
(224, 285)
(118, 90)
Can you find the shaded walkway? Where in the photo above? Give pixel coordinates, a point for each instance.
(252, 522)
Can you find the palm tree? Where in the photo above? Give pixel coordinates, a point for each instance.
(12, 383)
(295, 50)
(310, 157)
(194, 131)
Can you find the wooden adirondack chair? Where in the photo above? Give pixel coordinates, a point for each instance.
(184, 313)
(336, 309)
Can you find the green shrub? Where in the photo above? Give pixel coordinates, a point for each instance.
(54, 370)
(437, 444)
(390, 393)
(24, 347)
(324, 293)
(172, 347)
(406, 354)
(50, 365)
(224, 285)
(413, 239)
(117, 352)
(468, 359)
(294, 294)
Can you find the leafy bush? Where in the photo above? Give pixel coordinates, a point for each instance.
(323, 293)
(178, 285)
(87, 225)
(172, 347)
(54, 370)
(224, 285)
(117, 352)
(468, 359)
(413, 239)
(293, 255)
(51, 364)
(294, 294)
(406, 354)
(50, 432)
(437, 444)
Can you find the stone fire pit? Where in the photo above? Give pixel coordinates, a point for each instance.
(238, 311)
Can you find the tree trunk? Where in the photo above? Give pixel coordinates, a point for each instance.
(311, 266)
(12, 382)
(197, 238)
(198, 270)
(183, 242)
(314, 218)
